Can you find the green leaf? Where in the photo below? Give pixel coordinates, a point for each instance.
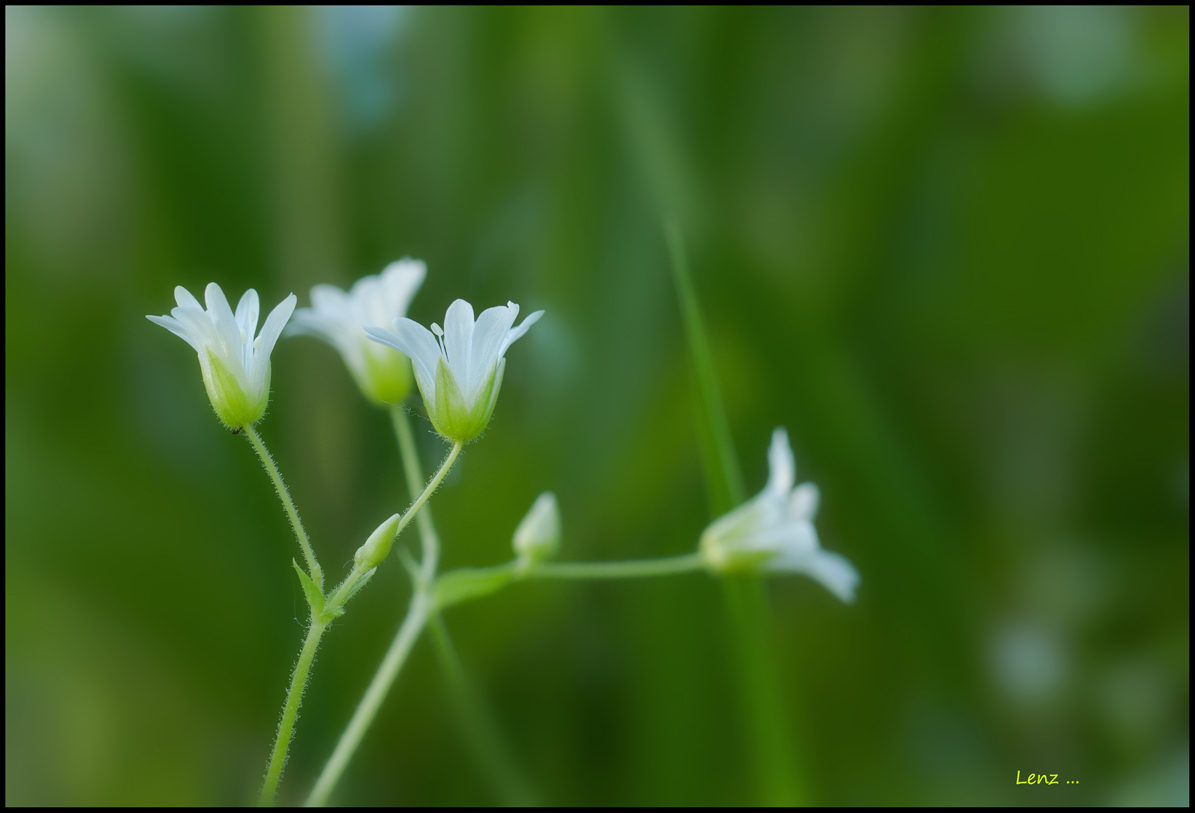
(470, 583)
(315, 599)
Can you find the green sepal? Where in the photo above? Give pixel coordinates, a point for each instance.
(232, 404)
(315, 599)
(386, 378)
(457, 586)
(449, 416)
(489, 396)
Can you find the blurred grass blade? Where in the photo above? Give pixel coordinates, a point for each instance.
(773, 757)
(722, 474)
(485, 744)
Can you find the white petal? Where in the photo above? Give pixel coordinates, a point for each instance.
(328, 297)
(742, 527)
(197, 323)
(415, 342)
(270, 332)
(400, 281)
(794, 542)
(782, 469)
(307, 321)
(184, 299)
(488, 334)
(835, 573)
(247, 311)
(517, 333)
(803, 502)
(458, 342)
(176, 327)
(226, 326)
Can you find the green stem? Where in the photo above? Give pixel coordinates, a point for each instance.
(414, 473)
(618, 570)
(416, 618)
(367, 709)
(423, 497)
(481, 734)
(317, 575)
(286, 728)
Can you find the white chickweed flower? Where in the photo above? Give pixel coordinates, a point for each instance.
(538, 536)
(774, 531)
(459, 368)
(235, 366)
(339, 318)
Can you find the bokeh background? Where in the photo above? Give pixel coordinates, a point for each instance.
(948, 249)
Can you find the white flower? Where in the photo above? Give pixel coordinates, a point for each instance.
(538, 536)
(774, 531)
(459, 368)
(339, 318)
(235, 366)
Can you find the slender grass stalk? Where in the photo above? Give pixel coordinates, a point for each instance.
(259, 446)
(771, 739)
(481, 733)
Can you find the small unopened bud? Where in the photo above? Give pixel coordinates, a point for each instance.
(538, 536)
(374, 551)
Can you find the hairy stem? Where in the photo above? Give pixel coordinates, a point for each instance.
(416, 619)
(286, 727)
(313, 568)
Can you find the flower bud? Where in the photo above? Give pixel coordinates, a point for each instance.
(375, 549)
(538, 536)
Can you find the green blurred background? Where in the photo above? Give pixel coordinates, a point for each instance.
(948, 249)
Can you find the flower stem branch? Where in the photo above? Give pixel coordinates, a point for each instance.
(414, 474)
(317, 575)
(421, 499)
(617, 570)
(367, 709)
(392, 663)
(294, 697)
